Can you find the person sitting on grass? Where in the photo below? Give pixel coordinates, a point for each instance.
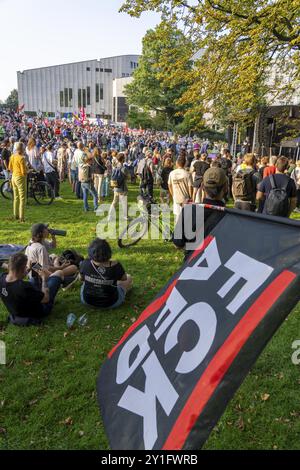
(26, 304)
(38, 252)
(105, 281)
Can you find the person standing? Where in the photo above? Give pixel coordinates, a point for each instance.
(180, 186)
(164, 178)
(98, 171)
(5, 156)
(277, 194)
(50, 170)
(118, 183)
(244, 185)
(296, 177)
(87, 185)
(107, 176)
(198, 168)
(17, 166)
(62, 162)
(33, 156)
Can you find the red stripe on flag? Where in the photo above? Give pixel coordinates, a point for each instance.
(202, 247)
(158, 303)
(223, 359)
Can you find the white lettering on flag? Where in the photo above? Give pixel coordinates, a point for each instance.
(249, 269)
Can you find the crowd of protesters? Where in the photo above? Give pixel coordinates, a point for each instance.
(100, 161)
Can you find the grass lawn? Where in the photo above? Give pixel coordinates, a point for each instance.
(48, 388)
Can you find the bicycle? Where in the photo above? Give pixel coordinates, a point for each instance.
(137, 228)
(40, 191)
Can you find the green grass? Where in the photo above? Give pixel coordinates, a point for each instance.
(48, 388)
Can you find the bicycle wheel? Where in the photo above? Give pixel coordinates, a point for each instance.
(133, 233)
(42, 193)
(6, 190)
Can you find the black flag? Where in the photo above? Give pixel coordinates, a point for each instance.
(169, 379)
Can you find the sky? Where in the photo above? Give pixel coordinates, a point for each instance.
(37, 33)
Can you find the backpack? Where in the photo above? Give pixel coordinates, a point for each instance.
(72, 256)
(242, 186)
(147, 176)
(277, 202)
(224, 165)
(117, 179)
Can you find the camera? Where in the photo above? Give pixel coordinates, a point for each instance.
(58, 233)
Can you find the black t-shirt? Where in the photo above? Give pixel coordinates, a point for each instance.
(165, 178)
(100, 283)
(21, 298)
(6, 154)
(98, 166)
(211, 219)
(201, 168)
(280, 180)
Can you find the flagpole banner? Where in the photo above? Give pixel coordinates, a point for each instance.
(167, 382)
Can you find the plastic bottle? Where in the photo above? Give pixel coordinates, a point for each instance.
(83, 320)
(71, 320)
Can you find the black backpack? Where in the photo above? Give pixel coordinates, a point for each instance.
(242, 186)
(72, 256)
(147, 176)
(277, 202)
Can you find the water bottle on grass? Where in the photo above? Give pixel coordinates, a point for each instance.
(83, 320)
(71, 320)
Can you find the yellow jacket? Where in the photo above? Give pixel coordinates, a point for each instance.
(17, 165)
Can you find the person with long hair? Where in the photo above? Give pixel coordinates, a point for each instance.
(33, 156)
(18, 169)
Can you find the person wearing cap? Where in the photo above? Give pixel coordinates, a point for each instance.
(215, 186)
(38, 249)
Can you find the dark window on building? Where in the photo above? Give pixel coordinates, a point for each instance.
(122, 109)
(61, 95)
(70, 97)
(88, 69)
(101, 70)
(108, 70)
(88, 95)
(101, 91)
(97, 70)
(131, 65)
(66, 97)
(97, 92)
(84, 98)
(79, 98)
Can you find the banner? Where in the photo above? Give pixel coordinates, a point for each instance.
(169, 379)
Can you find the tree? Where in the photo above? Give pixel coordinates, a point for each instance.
(249, 48)
(149, 89)
(12, 101)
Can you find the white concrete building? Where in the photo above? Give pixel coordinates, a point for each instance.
(68, 87)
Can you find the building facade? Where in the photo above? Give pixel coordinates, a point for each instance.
(68, 87)
(120, 106)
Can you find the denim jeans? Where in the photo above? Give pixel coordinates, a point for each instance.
(105, 186)
(86, 189)
(119, 302)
